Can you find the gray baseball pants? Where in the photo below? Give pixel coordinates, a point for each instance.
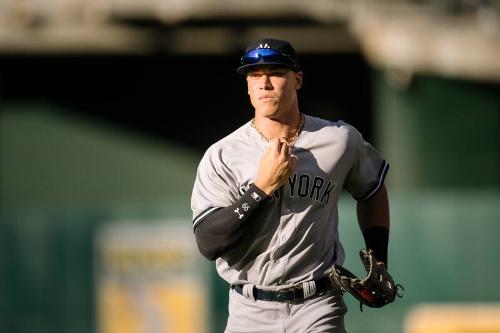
(322, 314)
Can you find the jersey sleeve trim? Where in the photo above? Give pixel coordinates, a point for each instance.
(203, 214)
(381, 177)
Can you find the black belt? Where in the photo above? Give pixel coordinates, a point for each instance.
(293, 294)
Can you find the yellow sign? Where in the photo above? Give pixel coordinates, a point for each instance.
(454, 318)
(149, 279)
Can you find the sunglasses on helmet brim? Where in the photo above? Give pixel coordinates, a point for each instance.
(255, 56)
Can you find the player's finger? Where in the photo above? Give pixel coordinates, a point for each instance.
(274, 145)
(284, 149)
(289, 152)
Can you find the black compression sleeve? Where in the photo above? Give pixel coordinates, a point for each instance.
(219, 231)
(377, 239)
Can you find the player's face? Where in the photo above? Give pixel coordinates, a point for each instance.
(273, 89)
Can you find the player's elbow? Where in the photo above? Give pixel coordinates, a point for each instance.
(206, 246)
(212, 243)
(208, 253)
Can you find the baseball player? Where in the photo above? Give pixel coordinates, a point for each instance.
(265, 202)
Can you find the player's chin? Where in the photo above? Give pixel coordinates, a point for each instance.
(269, 109)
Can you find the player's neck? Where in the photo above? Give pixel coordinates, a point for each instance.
(284, 126)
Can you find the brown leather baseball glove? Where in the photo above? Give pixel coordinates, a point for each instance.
(375, 290)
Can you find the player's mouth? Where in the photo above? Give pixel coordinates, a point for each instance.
(267, 97)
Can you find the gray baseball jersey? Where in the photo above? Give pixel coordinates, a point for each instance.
(296, 237)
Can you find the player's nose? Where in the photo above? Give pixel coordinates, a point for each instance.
(265, 82)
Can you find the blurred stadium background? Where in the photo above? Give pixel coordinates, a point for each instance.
(106, 109)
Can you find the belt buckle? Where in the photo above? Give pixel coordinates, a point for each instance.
(281, 296)
(294, 290)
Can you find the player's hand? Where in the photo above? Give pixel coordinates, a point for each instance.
(275, 166)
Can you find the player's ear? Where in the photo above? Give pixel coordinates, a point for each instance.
(298, 80)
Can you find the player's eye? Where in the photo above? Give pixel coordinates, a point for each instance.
(255, 75)
(278, 73)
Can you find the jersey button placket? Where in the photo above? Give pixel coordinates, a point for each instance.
(283, 238)
(285, 210)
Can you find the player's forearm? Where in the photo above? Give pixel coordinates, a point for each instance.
(219, 231)
(374, 211)
(374, 221)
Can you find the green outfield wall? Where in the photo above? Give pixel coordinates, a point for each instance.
(438, 133)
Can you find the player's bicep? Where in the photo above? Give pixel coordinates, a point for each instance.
(214, 187)
(368, 170)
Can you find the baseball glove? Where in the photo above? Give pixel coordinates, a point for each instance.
(375, 290)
